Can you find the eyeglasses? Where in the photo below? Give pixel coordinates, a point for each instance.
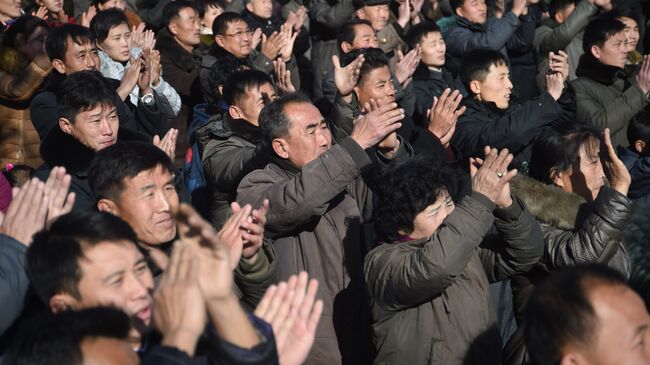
(241, 33)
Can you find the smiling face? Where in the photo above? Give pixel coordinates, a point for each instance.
(9, 9)
(427, 222)
(473, 10)
(54, 6)
(117, 44)
(95, 128)
(377, 15)
(237, 39)
(495, 88)
(613, 52)
(631, 32)
(433, 50)
(114, 274)
(147, 204)
(211, 13)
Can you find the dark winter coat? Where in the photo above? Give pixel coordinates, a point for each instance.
(639, 168)
(430, 297)
(428, 84)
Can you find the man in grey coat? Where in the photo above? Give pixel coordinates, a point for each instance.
(318, 203)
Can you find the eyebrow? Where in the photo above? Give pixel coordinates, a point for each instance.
(113, 275)
(640, 330)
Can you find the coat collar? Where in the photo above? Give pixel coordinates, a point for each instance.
(465, 23)
(422, 72)
(184, 60)
(225, 126)
(590, 67)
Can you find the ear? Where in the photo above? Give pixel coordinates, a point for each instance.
(475, 87)
(218, 39)
(556, 178)
(66, 126)
(346, 47)
(459, 12)
(595, 51)
(249, 6)
(59, 66)
(558, 17)
(361, 14)
(280, 147)
(61, 302)
(108, 206)
(173, 29)
(573, 358)
(235, 112)
(639, 146)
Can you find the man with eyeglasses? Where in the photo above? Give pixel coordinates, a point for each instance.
(607, 93)
(233, 38)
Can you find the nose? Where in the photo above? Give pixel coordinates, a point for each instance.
(106, 128)
(90, 63)
(162, 202)
(324, 137)
(509, 83)
(138, 289)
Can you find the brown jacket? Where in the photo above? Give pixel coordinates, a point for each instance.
(19, 142)
(430, 297)
(315, 222)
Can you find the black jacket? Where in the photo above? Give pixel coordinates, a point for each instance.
(484, 124)
(61, 149)
(268, 26)
(427, 84)
(45, 114)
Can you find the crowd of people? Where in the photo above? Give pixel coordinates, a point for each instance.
(324, 182)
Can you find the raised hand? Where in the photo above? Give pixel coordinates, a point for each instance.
(293, 312)
(59, 201)
(491, 176)
(144, 79)
(272, 45)
(346, 78)
(179, 309)
(88, 16)
(555, 84)
(40, 13)
(372, 128)
(519, 6)
(257, 38)
(403, 13)
(283, 77)
(252, 230)
(154, 66)
(290, 35)
(130, 78)
(26, 213)
(559, 63)
(167, 143)
(389, 144)
(444, 114)
(407, 64)
(643, 76)
(619, 176)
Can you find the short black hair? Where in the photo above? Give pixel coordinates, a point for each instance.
(406, 189)
(273, 120)
(54, 339)
(111, 166)
(82, 91)
(559, 5)
(374, 58)
(599, 30)
(25, 26)
(240, 82)
(52, 260)
(557, 148)
(476, 65)
(623, 12)
(419, 31)
(348, 32)
(106, 20)
(173, 10)
(56, 43)
(639, 128)
(220, 25)
(220, 72)
(202, 5)
(559, 312)
(455, 4)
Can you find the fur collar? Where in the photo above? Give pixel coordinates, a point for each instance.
(168, 46)
(590, 67)
(549, 204)
(12, 61)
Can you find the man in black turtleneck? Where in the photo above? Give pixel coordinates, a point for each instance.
(608, 94)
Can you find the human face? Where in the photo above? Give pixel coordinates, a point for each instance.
(376, 84)
(308, 136)
(117, 44)
(95, 128)
(119, 4)
(78, 57)
(433, 50)
(377, 15)
(186, 28)
(33, 46)
(237, 39)
(250, 106)
(622, 334)
(261, 8)
(631, 32)
(473, 10)
(586, 176)
(427, 222)
(107, 351)
(53, 6)
(613, 52)
(211, 13)
(148, 203)
(116, 274)
(364, 37)
(495, 88)
(9, 9)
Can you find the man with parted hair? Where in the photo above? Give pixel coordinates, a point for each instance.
(587, 315)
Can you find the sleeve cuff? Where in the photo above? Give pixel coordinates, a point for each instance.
(510, 213)
(483, 200)
(358, 154)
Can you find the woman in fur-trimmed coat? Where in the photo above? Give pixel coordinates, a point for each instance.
(582, 220)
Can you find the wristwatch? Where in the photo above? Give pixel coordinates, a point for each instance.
(147, 99)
